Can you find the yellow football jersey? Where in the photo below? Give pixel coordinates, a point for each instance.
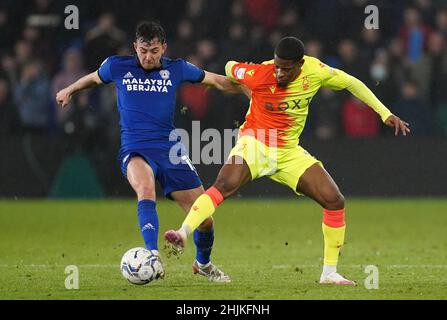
(277, 115)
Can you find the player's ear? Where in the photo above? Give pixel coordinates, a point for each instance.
(135, 46)
(164, 46)
(301, 63)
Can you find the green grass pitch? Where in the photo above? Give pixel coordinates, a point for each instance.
(271, 248)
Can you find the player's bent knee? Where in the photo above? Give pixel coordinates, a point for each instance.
(226, 186)
(144, 191)
(334, 201)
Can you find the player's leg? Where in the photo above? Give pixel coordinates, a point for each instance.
(203, 237)
(231, 177)
(234, 174)
(204, 234)
(317, 184)
(185, 198)
(141, 177)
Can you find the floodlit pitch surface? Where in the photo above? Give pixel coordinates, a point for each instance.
(271, 248)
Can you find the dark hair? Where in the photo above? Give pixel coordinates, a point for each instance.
(148, 30)
(290, 48)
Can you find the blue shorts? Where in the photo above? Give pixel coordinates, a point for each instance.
(174, 172)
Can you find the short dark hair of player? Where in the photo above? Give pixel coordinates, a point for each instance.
(149, 30)
(290, 48)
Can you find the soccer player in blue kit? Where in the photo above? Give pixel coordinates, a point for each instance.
(146, 85)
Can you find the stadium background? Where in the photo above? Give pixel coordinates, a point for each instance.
(271, 247)
(49, 152)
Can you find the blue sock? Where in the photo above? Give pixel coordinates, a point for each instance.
(148, 220)
(204, 244)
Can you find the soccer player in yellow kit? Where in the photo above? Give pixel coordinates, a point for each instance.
(281, 91)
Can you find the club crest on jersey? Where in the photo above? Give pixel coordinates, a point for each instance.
(164, 74)
(305, 83)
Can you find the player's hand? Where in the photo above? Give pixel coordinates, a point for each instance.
(63, 97)
(398, 125)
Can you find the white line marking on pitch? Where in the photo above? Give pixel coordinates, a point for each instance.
(280, 266)
(391, 266)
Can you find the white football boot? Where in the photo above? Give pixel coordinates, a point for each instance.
(210, 271)
(335, 278)
(160, 270)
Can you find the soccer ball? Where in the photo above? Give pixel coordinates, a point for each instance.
(141, 266)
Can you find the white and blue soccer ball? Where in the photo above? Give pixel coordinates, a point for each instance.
(141, 266)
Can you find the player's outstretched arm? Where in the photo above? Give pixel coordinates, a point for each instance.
(63, 97)
(338, 79)
(224, 84)
(361, 91)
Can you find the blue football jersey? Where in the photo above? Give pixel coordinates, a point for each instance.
(146, 98)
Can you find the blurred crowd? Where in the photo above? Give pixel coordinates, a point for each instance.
(404, 62)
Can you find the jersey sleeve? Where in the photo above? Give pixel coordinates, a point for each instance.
(105, 70)
(333, 78)
(242, 73)
(192, 73)
(337, 79)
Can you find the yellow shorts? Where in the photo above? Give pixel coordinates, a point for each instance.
(283, 165)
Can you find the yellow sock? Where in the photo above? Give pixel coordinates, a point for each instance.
(202, 209)
(333, 241)
(334, 235)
